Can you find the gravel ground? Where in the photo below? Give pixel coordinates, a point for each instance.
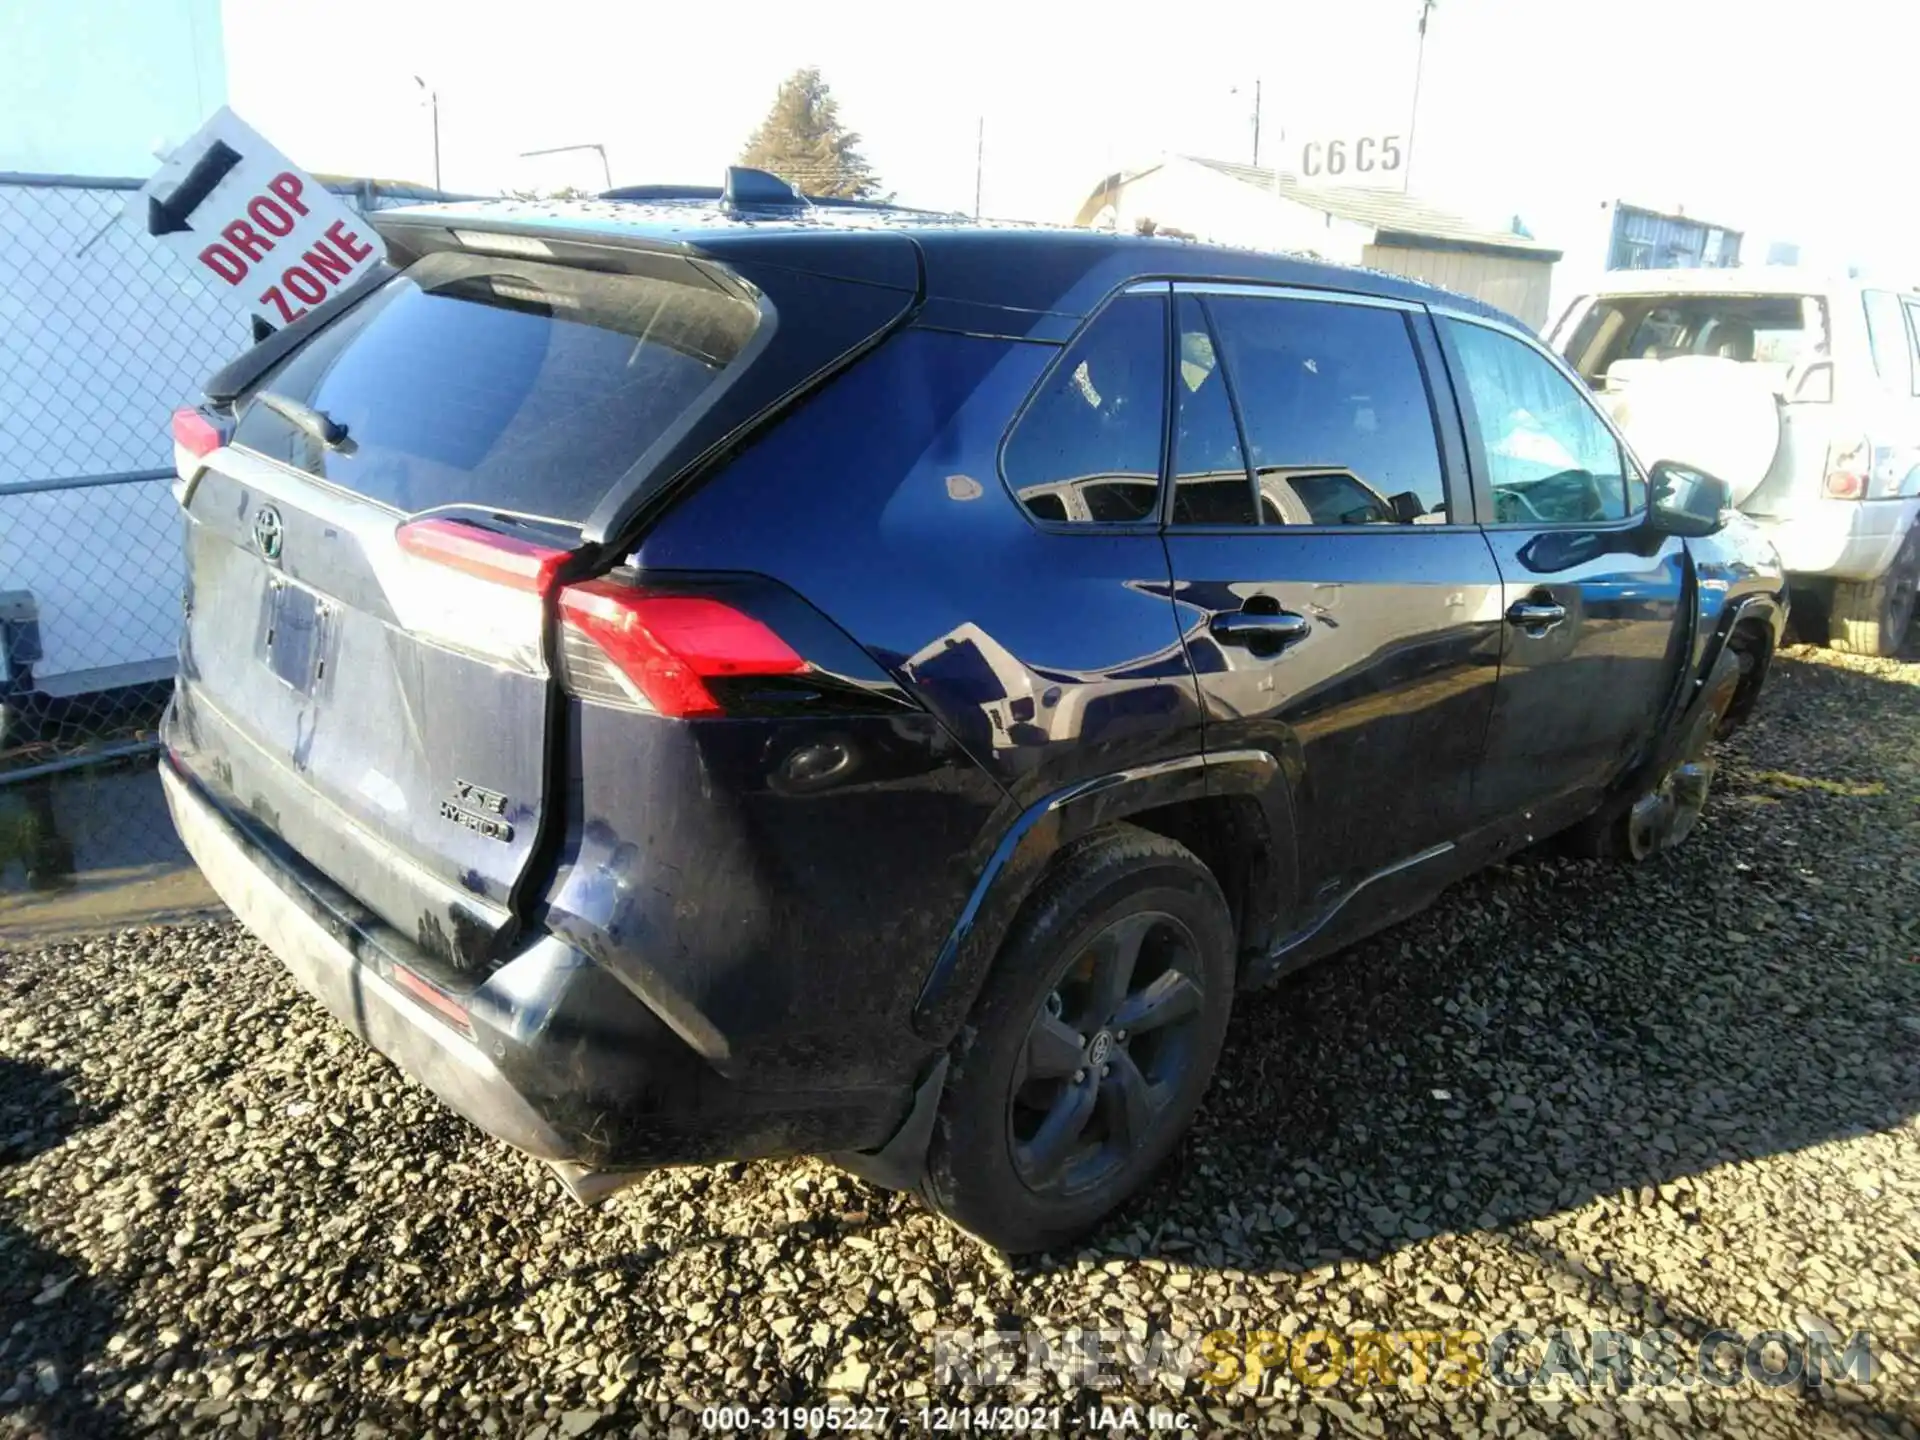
(1569, 1095)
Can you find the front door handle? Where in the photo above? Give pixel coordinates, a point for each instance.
(1253, 629)
(1536, 616)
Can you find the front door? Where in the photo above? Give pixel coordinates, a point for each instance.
(1590, 596)
(1340, 608)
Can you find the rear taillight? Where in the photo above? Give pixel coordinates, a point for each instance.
(194, 438)
(664, 649)
(1849, 464)
(621, 645)
(503, 559)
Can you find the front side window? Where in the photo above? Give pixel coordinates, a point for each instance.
(1087, 448)
(1550, 457)
(1334, 405)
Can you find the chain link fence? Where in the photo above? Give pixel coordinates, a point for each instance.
(106, 334)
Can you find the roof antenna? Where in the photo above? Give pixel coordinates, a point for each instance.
(750, 189)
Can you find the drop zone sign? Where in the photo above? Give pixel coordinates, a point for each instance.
(241, 212)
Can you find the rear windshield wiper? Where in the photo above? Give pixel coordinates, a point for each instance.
(317, 423)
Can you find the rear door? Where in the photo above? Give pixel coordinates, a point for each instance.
(1591, 598)
(1340, 607)
(363, 668)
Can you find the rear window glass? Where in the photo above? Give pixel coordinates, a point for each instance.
(518, 386)
(1623, 336)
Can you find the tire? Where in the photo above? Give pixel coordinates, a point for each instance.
(1008, 1162)
(1872, 617)
(1663, 812)
(1753, 652)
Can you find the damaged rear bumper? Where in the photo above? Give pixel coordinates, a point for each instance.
(335, 966)
(550, 1052)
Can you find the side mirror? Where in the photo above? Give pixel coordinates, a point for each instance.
(1686, 500)
(1406, 507)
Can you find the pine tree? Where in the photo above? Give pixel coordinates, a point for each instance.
(803, 142)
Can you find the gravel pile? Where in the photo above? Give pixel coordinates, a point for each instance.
(1569, 1095)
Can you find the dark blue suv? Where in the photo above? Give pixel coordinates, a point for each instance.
(717, 676)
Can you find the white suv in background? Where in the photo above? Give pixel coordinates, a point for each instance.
(1803, 393)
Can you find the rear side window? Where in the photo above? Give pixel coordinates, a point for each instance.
(1087, 447)
(1338, 425)
(1887, 333)
(1913, 336)
(518, 386)
(1211, 484)
(1550, 457)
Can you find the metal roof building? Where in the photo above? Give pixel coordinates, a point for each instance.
(1247, 205)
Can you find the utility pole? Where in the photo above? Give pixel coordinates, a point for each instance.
(979, 162)
(1413, 118)
(433, 99)
(1235, 90)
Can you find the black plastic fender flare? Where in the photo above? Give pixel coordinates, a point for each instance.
(1691, 689)
(1058, 819)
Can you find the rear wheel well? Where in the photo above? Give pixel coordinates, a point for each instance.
(1229, 835)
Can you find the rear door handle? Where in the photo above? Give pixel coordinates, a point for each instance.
(1537, 616)
(1250, 628)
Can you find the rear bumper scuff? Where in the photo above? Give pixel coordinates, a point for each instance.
(562, 1061)
(362, 998)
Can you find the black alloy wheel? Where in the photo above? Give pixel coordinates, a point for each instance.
(1090, 1044)
(1106, 1053)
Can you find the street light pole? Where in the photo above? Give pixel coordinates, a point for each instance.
(433, 100)
(606, 170)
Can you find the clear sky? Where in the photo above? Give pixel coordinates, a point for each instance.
(1783, 120)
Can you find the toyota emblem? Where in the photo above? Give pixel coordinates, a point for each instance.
(268, 531)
